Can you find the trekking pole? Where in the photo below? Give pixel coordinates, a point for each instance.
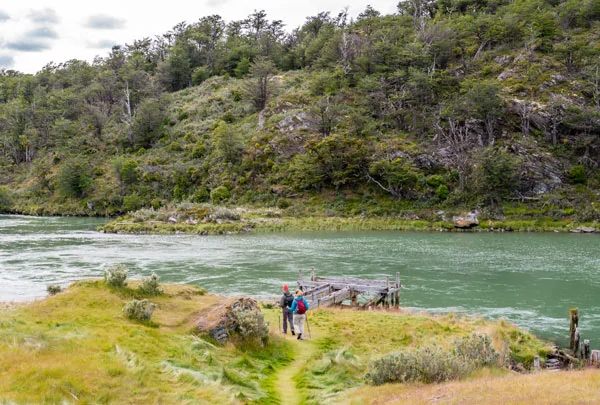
(308, 327)
(279, 323)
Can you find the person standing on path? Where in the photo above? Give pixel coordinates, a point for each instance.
(299, 308)
(285, 302)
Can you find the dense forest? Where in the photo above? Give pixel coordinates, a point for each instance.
(450, 104)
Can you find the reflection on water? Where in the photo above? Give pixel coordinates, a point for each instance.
(530, 279)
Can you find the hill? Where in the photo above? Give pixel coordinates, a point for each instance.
(446, 105)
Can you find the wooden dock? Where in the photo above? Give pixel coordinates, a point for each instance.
(331, 291)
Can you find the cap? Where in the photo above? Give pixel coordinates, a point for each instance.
(285, 287)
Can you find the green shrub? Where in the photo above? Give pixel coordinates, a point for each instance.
(140, 310)
(132, 202)
(428, 365)
(73, 178)
(5, 200)
(53, 289)
(577, 175)
(477, 349)
(116, 276)
(222, 213)
(219, 194)
(250, 329)
(150, 285)
(442, 192)
(435, 180)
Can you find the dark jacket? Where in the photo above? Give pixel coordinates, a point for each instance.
(284, 298)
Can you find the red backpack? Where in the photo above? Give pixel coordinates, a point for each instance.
(300, 307)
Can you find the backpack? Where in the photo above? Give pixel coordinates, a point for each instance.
(289, 300)
(300, 307)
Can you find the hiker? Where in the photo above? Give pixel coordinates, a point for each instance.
(299, 308)
(285, 302)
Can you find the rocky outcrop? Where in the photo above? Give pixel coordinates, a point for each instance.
(220, 322)
(467, 221)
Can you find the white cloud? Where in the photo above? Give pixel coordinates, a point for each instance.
(78, 31)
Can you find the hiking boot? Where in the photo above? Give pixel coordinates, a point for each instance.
(293, 333)
(299, 336)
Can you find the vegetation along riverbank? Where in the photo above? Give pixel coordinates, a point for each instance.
(208, 219)
(117, 341)
(488, 106)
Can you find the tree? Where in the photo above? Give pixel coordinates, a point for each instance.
(258, 87)
(495, 176)
(73, 178)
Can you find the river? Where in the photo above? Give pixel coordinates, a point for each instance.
(531, 279)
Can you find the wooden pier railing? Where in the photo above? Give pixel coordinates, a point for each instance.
(329, 291)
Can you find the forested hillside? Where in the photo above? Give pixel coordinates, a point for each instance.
(448, 104)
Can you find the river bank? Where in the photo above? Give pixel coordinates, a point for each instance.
(206, 219)
(77, 346)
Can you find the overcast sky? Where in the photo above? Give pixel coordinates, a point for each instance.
(34, 33)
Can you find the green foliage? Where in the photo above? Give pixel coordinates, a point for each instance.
(132, 202)
(53, 289)
(74, 178)
(577, 174)
(477, 349)
(219, 195)
(5, 200)
(116, 276)
(251, 331)
(139, 310)
(428, 365)
(150, 285)
(431, 365)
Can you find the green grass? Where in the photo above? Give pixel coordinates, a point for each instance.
(77, 347)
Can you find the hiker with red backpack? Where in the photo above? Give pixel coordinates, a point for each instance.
(285, 302)
(299, 308)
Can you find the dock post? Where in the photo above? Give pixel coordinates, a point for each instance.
(300, 278)
(574, 324)
(312, 273)
(387, 293)
(398, 289)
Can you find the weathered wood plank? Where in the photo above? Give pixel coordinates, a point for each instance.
(349, 280)
(357, 287)
(317, 292)
(331, 299)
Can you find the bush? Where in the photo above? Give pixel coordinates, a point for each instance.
(139, 310)
(219, 194)
(251, 330)
(577, 175)
(223, 214)
(424, 365)
(5, 200)
(116, 276)
(53, 289)
(150, 285)
(477, 349)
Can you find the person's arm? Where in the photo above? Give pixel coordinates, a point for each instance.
(282, 301)
(305, 303)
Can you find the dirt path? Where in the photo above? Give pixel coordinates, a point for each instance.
(304, 350)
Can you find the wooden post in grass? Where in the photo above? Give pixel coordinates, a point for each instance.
(574, 324)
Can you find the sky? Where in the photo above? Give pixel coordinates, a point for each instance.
(34, 33)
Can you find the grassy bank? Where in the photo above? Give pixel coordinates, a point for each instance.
(77, 347)
(212, 220)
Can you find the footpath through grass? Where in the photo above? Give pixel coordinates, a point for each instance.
(77, 347)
